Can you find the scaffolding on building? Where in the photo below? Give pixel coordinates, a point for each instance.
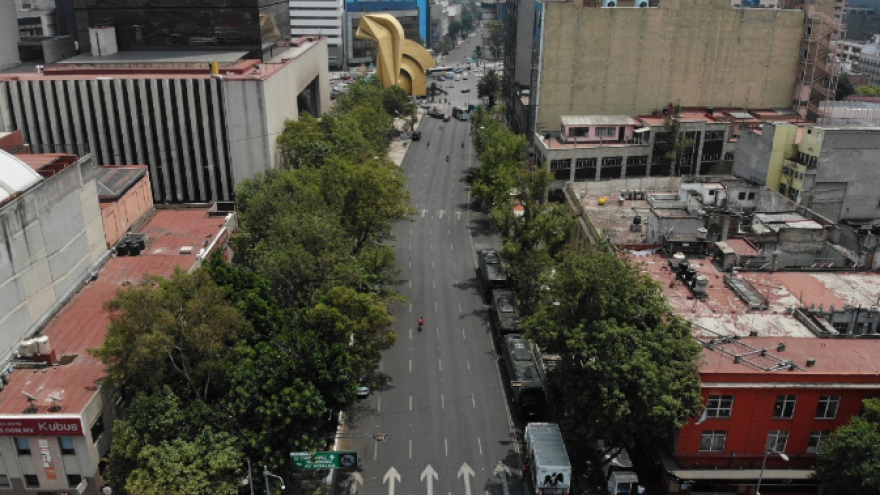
(819, 67)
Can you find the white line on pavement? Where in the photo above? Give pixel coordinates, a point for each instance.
(442, 402)
(479, 444)
(410, 402)
(474, 401)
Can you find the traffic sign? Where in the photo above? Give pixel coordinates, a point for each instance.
(325, 460)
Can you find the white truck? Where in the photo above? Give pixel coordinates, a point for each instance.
(620, 478)
(546, 459)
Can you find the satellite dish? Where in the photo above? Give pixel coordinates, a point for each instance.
(30, 397)
(54, 398)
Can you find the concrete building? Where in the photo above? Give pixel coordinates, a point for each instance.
(697, 53)
(199, 133)
(321, 18)
(831, 170)
(56, 425)
(363, 52)
(606, 147)
(869, 60)
(52, 238)
(8, 36)
(36, 18)
(423, 6)
(259, 27)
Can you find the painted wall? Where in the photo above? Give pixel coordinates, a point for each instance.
(752, 419)
(121, 214)
(844, 186)
(50, 238)
(631, 61)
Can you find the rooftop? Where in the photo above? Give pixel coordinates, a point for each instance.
(598, 120)
(613, 221)
(82, 323)
(157, 57)
(114, 181)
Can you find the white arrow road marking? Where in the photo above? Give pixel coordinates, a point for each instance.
(427, 473)
(458, 215)
(356, 479)
(468, 473)
(390, 477)
(440, 213)
(423, 212)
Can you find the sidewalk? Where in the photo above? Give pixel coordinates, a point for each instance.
(398, 147)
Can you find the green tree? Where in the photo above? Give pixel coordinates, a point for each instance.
(628, 366)
(455, 28)
(675, 147)
(467, 21)
(489, 86)
(182, 332)
(844, 88)
(496, 38)
(848, 461)
(868, 91)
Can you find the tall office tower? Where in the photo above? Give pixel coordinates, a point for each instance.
(320, 18)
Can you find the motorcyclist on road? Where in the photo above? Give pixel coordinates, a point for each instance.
(447, 157)
(421, 322)
(429, 144)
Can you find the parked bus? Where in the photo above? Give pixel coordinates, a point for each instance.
(505, 317)
(525, 381)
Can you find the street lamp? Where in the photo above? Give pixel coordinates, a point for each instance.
(764, 464)
(266, 475)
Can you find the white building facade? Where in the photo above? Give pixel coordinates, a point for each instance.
(320, 18)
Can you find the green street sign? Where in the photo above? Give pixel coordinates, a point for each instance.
(325, 460)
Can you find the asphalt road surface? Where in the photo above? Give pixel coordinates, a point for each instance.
(445, 409)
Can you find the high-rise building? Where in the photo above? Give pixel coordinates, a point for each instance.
(320, 18)
(363, 51)
(631, 57)
(259, 27)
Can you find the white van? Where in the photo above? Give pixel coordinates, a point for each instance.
(458, 77)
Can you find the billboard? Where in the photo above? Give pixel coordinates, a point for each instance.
(42, 426)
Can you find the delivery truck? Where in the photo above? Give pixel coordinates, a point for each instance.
(546, 463)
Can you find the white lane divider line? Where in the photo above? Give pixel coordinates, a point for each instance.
(379, 405)
(446, 446)
(442, 402)
(410, 402)
(410, 448)
(468, 361)
(474, 401)
(440, 361)
(479, 444)
(410, 365)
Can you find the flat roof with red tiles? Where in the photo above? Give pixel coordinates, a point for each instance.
(854, 360)
(82, 323)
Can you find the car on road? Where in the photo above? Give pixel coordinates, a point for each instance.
(446, 118)
(450, 85)
(458, 69)
(465, 90)
(417, 135)
(464, 76)
(363, 391)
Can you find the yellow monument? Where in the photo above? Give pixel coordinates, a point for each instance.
(399, 60)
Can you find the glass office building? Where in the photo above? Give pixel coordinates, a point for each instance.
(255, 26)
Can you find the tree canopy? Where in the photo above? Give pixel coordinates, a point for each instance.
(251, 360)
(628, 366)
(489, 87)
(849, 461)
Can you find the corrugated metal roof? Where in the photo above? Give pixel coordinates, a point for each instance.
(598, 120)
(15, 176)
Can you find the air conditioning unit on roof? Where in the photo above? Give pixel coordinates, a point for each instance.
(642, 4)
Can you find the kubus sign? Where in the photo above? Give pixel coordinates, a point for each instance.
(36, 426)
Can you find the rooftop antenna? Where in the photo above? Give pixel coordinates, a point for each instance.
(55, 400)
(31, 400)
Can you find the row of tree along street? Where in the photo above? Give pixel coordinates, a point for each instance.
(252, 360)
(628, 365)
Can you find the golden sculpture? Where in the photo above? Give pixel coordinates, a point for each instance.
(399, 60)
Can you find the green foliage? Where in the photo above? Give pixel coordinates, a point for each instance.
(455, 29)
(489, 86)
(627, 366)
(868, 91)
(849, 462)
(180, 332)
(501, 153)
(496, 37)
(844, 87)
(674, 146)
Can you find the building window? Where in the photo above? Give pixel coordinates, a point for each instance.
(827, 408)
(719, 406)
(816, 440)
(728, 156)
(560, 164)
(31, 481)
(66, 445)
(606, 131)
(585, 163)
(24, 447)
(783, 189)
(73, 480)
(713, 441)
(714, 135)
(580, 131)
(751, 196)
(4, 481)
(784, 408)
(612, 161)
(97, 429)
(776, 440)
(742, 196)
(637, 160)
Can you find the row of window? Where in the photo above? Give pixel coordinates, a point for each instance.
(65, 443)
(714, 440)
(792, 172)
(721, 406)
(789, 192)
(599, 131)
(32, 481)
(608, 161)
